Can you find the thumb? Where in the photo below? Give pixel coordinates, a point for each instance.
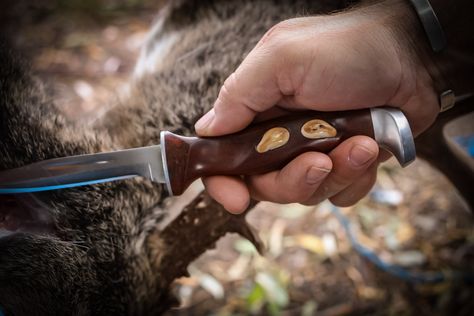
(251, 89)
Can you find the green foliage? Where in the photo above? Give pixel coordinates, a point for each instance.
(269, 290)
(255, 299)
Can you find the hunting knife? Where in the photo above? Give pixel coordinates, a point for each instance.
(260, 148)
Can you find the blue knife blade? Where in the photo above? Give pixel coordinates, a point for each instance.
(82, 170)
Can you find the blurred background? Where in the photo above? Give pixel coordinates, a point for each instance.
(407, 248)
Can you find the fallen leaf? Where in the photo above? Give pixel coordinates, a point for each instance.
(274, 291)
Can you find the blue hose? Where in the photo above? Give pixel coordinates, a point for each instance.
(395, 270)
(467, 143)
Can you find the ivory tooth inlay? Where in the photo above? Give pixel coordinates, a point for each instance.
(273, 138)
(316, 129)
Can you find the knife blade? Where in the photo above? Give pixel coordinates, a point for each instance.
(73, 171)
(178, 160)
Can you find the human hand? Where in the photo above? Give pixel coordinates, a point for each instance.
(346, 61)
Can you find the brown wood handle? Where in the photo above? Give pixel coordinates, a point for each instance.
(260, 148)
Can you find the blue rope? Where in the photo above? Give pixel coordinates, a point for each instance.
(395, 270)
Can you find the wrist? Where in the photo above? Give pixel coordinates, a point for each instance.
(403, 23)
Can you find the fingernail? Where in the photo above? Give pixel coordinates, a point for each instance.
(204, 121)
(316, 175)
(359, 155)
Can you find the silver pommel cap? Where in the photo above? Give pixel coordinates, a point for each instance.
(392, 132)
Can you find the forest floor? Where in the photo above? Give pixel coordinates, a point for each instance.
(407, 248)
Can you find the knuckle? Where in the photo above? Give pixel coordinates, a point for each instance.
(311, 202)
(228, 85)
(285, 25)
(314, 200)
(276, 30)
(231, 94)
(226, 93)
(344, 201)
(338, 183)
(294, 196)
(278, 36)
(355, 192)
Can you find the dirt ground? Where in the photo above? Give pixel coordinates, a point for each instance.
(407, 248)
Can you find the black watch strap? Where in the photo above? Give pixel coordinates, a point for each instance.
(438, 42)
(431, 24)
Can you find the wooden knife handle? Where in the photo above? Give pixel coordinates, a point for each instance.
(261, 147)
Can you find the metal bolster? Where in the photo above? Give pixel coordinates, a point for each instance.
(165, 163)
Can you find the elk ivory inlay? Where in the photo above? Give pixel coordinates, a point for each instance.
(273, 138)
(316, 129)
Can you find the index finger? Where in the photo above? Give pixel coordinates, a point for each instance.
(251, 89)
